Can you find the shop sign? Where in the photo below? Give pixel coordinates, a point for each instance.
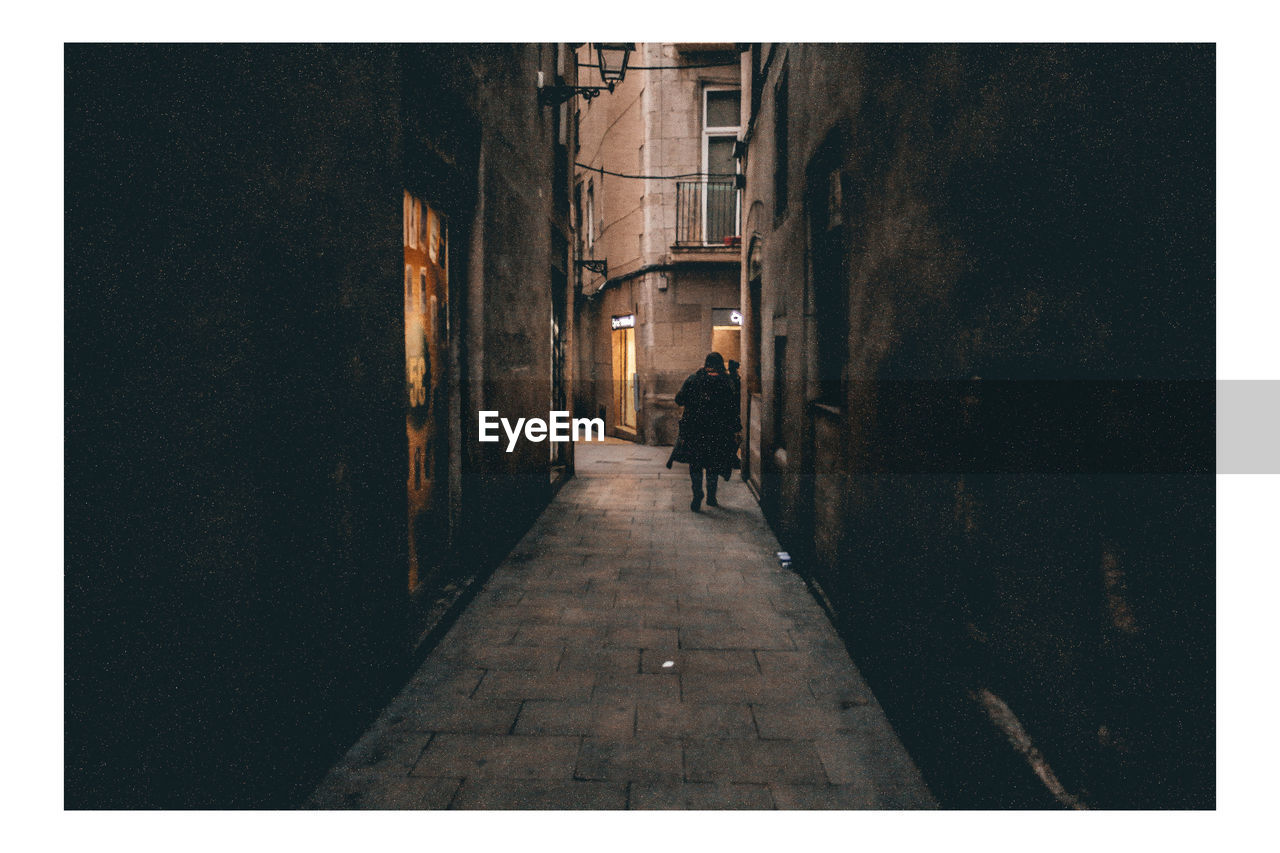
(726, 317)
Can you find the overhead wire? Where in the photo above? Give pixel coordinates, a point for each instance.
(732, 64)
(604, 171)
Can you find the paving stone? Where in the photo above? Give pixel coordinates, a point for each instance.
(476, 636)
(601, 661)
(753, 688)
(638, 688)
(591, 572)
(506, 595)
(474, 716)
(647, 574)
(642, 638)
(711, 638)
(842, 797)
(642, 595)
(703, 662)
(536, 794)
(608, 617)
(593, 599)
(567, 686)
(549, 691)
(614, 720)
(679, 719)
(691, 555)
(504, 756)
(873, 757)
(554, 579)
(385, 751)
(528, 613)
(565, 635)
(812, 638)
(662, 616)
(476, 632)
(702, 611)
(634, 760)
(630, 563)
(841, 689)
(809, 662)
(654, 590)
(812, 721)
(700, 795)
(511, 658)
(756, 761)
(725, 583)
(808, 619)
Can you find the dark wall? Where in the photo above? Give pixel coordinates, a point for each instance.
(508, 309)
(1008, 313)
(235, 432)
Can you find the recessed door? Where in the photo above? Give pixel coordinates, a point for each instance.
(624, 377)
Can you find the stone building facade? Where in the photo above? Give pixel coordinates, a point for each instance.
(668, 232)
(979, 291)
(294, 274)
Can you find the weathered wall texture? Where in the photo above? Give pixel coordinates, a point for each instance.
(990, 272)
(236, 598)
(652, 124)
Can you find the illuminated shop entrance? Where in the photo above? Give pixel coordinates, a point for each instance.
(726, 333)
(624, 371)
(426, 346)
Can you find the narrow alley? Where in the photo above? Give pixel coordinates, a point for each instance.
(632, 654)
(945, 311)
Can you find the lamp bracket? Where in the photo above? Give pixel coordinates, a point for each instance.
(554, 95)
(599, 267)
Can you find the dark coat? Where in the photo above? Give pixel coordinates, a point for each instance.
(709, 422)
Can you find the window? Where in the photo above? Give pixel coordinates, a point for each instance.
(591, 217)
(577, 210)
(721, 114)
(755, 323)
(833, 202)
(780, 158)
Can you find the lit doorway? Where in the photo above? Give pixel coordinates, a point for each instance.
(624, 371)
(726, 333)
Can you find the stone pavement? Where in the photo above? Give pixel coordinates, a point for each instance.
(630, 653)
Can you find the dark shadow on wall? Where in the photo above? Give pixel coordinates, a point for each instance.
(1022, 443)
(235, 594)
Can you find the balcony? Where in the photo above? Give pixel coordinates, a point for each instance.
(706, 214)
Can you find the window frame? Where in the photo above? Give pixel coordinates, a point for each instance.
(718, 131)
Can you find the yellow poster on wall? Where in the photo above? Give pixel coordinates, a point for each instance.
(426, 299)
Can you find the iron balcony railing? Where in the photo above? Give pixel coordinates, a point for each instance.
(706, 212)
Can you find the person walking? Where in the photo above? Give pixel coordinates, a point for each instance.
(707, 428)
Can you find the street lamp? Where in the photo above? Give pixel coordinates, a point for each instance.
(611, 58)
